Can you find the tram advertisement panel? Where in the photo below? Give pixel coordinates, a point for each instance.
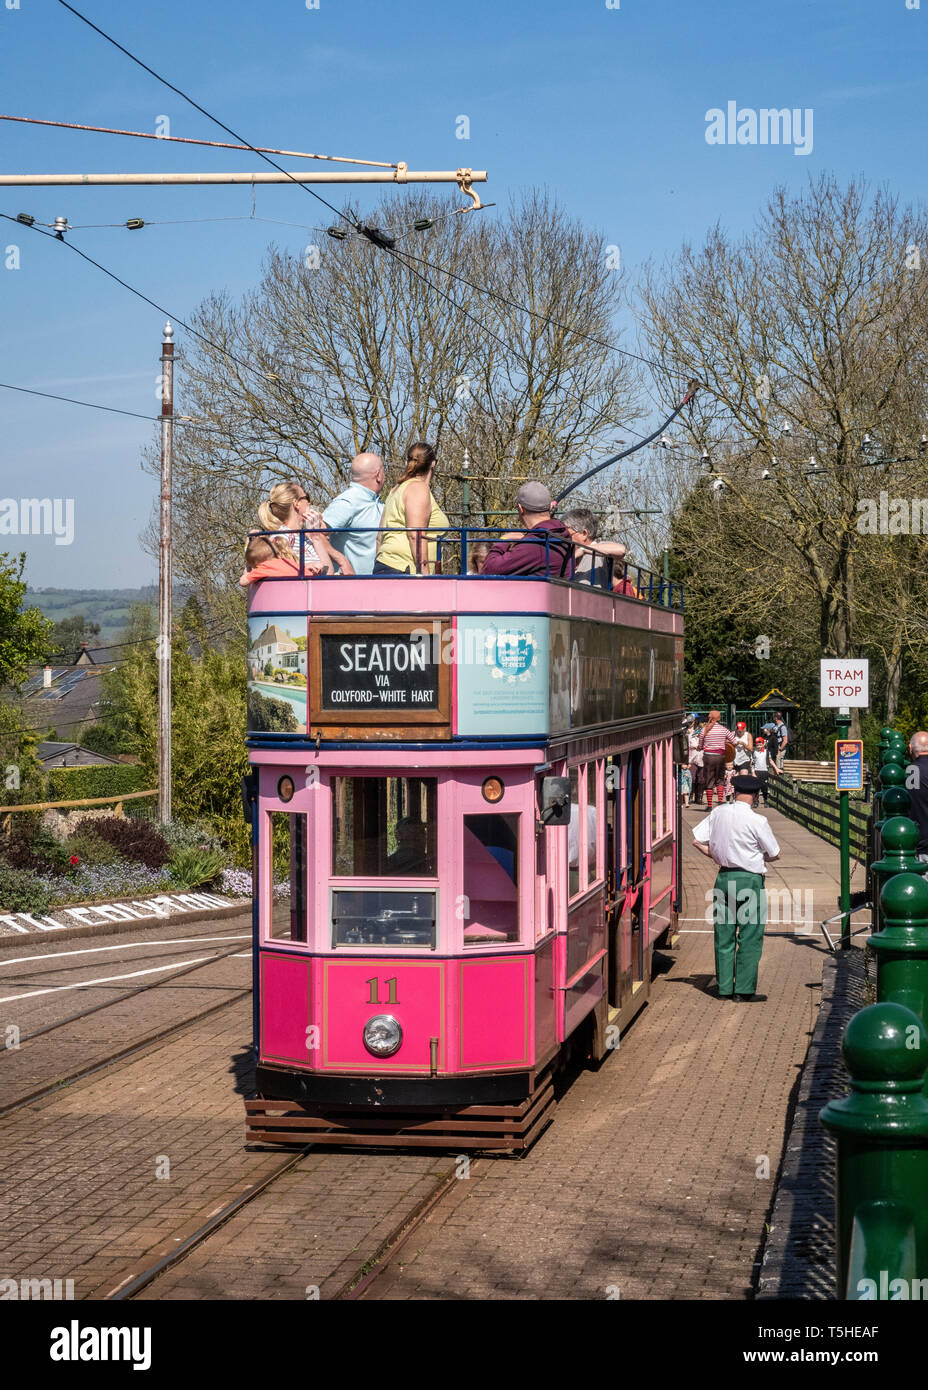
(600, 672)
(502, 672)
(277, 674)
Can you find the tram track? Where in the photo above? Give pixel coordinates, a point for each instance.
(180, 1245)
(138, 1044)
(129, 994)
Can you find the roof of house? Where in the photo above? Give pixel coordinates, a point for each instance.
(50, 749)
(775, 699)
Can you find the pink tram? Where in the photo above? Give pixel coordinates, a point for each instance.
(470, 781)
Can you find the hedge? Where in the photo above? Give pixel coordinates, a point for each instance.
(78, 783)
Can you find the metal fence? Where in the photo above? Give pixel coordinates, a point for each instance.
(818, 811)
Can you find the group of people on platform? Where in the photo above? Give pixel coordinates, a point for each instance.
(717, 756)
(357, 533)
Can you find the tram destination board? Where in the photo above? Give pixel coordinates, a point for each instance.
(376, 673)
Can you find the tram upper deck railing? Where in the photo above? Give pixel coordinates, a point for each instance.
(454, 553)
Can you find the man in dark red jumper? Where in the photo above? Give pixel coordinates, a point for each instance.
(526, 552)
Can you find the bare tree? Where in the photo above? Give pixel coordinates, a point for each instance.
(352, 347)
(808, 337)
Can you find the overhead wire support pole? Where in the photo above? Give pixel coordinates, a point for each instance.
(398, 175)
(165, 576)
(213, 144)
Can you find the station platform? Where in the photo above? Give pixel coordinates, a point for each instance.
(657, 1178)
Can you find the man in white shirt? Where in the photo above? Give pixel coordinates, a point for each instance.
(354, 515)
(741, 843)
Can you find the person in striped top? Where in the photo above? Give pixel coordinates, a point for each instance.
(712, 741)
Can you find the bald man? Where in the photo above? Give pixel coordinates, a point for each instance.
(354, 515)
(917, 783)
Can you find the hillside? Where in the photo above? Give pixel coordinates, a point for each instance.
(108, 607)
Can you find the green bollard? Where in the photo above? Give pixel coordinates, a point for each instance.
(881, 1131)
(902, 946)
(898, 836)
(892, 799)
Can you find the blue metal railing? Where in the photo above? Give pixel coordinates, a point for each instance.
(456, 552)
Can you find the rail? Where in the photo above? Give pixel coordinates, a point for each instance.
(115, 800)
(819, 813)
(459, 551)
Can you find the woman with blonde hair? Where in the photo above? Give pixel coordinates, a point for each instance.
(288, 509)
(411, 518)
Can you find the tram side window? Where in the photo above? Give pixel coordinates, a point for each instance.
(491, 879)
(573, 835)
(288, 851)
(582, 875)
(384, 827)
(655, 756)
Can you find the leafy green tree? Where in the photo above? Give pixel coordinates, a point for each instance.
(23, 642)
(208, 754)
(67, 635)
(24, 634)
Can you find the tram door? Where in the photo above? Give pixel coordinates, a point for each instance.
(635, 841)
(625, 828)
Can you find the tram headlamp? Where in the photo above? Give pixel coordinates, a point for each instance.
(382, 1035)
(285, 789)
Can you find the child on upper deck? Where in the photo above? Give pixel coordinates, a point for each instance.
(264, 561)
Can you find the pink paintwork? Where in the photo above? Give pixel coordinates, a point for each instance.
(355, 597)
(515, 969)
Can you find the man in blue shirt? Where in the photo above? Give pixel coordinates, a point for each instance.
(354, 515)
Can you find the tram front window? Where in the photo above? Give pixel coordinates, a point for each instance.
(383, 917)
(384, 827)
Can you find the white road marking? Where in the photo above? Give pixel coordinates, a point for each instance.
(240, 955)
(126, 946)
(107, 980)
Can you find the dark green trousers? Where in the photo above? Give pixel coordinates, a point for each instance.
(740, 914)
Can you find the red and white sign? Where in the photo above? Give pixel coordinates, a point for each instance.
(845, 683)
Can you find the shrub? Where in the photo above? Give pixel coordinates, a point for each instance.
(102, 882)
(132, 839)
(21, 891)
(110, 779)
(237, 884)
(197, 834)
(40, 853)
(196, 868)
(90, 849)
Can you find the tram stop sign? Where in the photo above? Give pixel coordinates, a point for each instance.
(845, 684)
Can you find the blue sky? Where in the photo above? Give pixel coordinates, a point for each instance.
(604, 107)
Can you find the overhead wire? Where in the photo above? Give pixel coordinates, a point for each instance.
(370, 233)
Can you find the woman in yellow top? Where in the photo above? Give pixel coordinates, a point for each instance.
(405, 545)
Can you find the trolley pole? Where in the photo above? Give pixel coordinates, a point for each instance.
(843, 724)
(165, 576)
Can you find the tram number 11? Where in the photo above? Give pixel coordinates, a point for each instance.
(373, 998)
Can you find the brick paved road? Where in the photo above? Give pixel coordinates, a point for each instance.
(80, 1197)
(646, 1185)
